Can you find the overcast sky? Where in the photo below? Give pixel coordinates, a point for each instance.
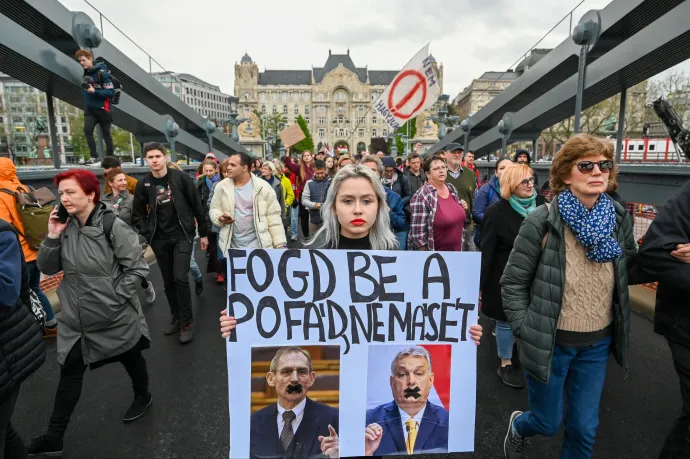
(207, 37)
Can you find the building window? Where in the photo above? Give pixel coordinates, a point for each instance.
(262, 96)
(322, 133)
(283, 95)
(63, 120)
(385, 133)
(360, 109)
(360, 120)
(373, 119)
(341, 110)
(373, 132)
(296, 109)
(306, 119)
(275, 109)
(285, 109)
(341, 132)
(64, 129)
(321, 109)
(322, 120)
(246, 96)
(361, 132)
(341, 95)
(341, 120)
(306, 110)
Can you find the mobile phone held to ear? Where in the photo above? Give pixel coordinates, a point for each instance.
(62, 214)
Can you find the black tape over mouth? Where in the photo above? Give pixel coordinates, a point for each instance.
(412, 392)
(294, 389)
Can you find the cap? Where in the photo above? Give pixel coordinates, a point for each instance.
(388, 161)
(453, 147)
(210, 155)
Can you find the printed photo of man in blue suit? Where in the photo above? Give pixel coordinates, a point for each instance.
(410, 424)
(296, 426)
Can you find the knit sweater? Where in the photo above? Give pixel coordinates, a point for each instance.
(587, 304)
(465, 184)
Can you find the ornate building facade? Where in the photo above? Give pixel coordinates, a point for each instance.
(334, 99)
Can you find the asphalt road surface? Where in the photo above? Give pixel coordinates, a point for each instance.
(189, 416)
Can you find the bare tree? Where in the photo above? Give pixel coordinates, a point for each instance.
(674, 87)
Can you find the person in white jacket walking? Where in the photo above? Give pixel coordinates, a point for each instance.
(246, 209)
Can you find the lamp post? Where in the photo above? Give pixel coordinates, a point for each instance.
(442, 118)
(234, 120)
(210, 128)
(171, 131)
(394, 144)
(466, 126)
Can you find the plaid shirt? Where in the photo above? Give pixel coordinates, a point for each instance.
(423, 205)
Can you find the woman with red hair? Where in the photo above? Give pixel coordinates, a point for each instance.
(101, 320)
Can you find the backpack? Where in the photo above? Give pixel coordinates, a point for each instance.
(34, 208)
(108, 221)
(31, 300)
(117, 86)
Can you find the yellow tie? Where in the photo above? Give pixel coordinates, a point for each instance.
(411, 434)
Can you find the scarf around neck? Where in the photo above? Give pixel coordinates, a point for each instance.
(210, 182)
(391, 181)
(523, 206)
(592, 228)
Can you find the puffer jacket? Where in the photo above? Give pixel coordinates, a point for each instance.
(99, 291)
(22, 350)
(533, 282)
(267, 215)
(8, 203)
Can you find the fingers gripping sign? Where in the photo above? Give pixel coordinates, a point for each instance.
(373, 435)
(330, 446)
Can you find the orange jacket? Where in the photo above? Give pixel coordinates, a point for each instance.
(8, 204)
(131, 185)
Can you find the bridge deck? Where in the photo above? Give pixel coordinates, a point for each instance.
(189, 417)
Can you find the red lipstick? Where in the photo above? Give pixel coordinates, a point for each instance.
(357, 222)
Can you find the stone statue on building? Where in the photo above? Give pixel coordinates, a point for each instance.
(251, 128)
(426, 129)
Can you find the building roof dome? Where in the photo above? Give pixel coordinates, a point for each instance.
(246, 59)
(431, 58)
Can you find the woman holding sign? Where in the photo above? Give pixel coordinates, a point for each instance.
(565, 294)
(356, 217)
(501, 224)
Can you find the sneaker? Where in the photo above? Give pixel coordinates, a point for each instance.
(186, 333)
(513, 445)
(220, 279)
(293, 238)
(199, 287)
(173, 328)
(150, 294)
(138, 408)
(510, 376)
(45, 446)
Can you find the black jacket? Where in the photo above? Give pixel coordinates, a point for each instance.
(22, 350)
(264, 438)
(500, 228)
(402, 187)
(655, 263)
(186, 200)
(415, 181)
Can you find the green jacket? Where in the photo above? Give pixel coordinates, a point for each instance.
(532, 287)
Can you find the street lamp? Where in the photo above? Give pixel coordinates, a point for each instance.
(442, 118)
(234, 120)
(210, 128)
(171, 131)
(394, 143)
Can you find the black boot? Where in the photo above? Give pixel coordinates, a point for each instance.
(45, 446)
(138, 408)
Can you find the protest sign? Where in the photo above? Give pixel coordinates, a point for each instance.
(387, 331)
(413, 90)
(291, 135)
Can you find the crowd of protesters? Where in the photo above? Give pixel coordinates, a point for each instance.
(540, 260)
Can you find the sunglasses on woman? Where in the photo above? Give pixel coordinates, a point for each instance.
(588, 166)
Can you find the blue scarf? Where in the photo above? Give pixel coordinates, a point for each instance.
(212, 181)
(523, 206)
(593, 229)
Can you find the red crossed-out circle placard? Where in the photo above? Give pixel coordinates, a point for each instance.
(399, 102)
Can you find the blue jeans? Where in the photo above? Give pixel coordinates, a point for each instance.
(402, 239)
(196, 272)
(581, 371)
(504, 340)
(35, 284)
(294, 215)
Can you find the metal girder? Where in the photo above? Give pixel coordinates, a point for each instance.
(639, 183)
(654, 49)
(52, 22)
(620, 20)
(31, 60)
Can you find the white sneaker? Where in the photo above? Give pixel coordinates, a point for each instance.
(293, 238)
(150, 293)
